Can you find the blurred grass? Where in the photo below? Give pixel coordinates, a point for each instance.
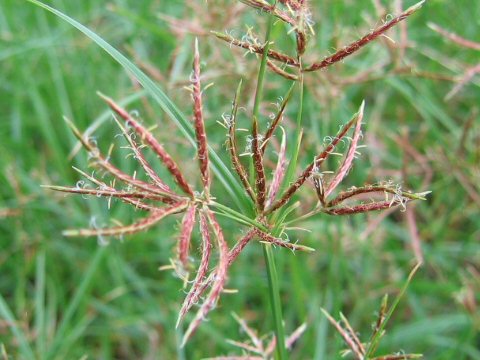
(66, 298)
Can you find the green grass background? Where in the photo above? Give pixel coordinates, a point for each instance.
(71, 298)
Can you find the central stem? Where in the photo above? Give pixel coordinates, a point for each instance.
(274, 290)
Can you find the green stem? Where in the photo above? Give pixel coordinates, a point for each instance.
(260, 81)
(275, 302)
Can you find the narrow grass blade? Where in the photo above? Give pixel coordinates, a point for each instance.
(24, 347)
(222, 172)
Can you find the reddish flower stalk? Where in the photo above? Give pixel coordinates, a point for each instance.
(147, 136)
(219, 281)
(108, 193)
(279, 171)
(107, 166)
(362, 208)
(149, 221)
(346, 337)
(294, 4)
(188, 223)
(267, 238)
(313, 166)
(276, 121)
(201, 136)
(455, 38)
(260, 181)
(137, 203)
(232, 146)
(381, 189)
(357, 45)
(265, 6)
(141, 159)
(278, 70)
(198, 286)
(257, 49)
(347, 163)
(240, 245)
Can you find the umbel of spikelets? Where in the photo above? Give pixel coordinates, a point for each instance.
(158, 200)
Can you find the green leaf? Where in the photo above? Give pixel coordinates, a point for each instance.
(228, 180)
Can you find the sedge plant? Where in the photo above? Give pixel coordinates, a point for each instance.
(264, 205)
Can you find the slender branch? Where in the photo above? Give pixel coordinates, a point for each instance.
(357, 45)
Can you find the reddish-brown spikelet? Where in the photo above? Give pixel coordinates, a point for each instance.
(279, 242)
(107, 166)
(357, 45)
(314, 165)
(293, 4)
(141, 159)
(381, 189)
(362, 208)
(154, 145)
(239, 246)
(220, 277)
(188, 223)
(454, 37)
(279, 171)
(149, 221)
(276, 120)
(348, 340)
(198, 286)
(258, 49)
(232, 146)
(202, 150)
(278, 70)
(111, 192)
(260, 181)
(267, 7)
(347, 163)
(352, 334)
(136, 202)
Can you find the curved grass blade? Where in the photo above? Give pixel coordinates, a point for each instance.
(230, 183)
